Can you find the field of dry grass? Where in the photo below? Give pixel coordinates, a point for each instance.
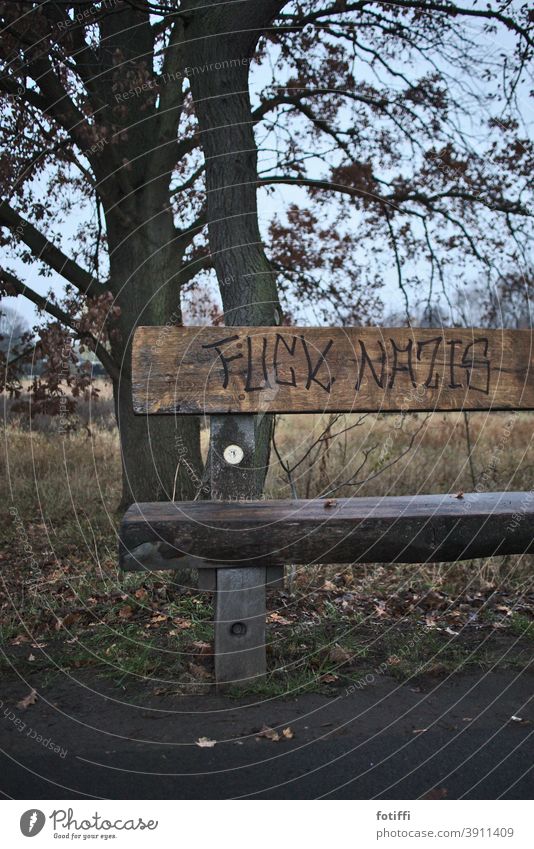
(62, 590)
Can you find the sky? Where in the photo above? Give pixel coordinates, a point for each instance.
(268, 206)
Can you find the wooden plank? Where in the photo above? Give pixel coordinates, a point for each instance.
(316, 369)
(240, 607)
(400, 529)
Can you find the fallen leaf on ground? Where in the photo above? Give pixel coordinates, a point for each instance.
(126, 611)
(31, 658)
(28, 700)
(205, 743)
(330, 502)
(160, 617)
(280, 620)
(199, 671)
(380, 609)
(329, 586)
(329, 678)
(338, 654)
(433, 599)
(275, 737)
(71, 619)
(269, 734)
(201, 647)
(459, 494)
(419, 730)
(21, 638)
(520, 720)
(141, 593)
(182, 623)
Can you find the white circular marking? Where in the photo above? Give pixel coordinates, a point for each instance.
(233, 454)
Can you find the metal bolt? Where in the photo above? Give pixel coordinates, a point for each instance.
(238, 629)
(233, 454)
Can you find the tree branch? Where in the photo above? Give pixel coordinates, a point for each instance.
(44, 250)
(56, 312)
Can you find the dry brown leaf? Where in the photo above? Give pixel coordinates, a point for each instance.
(28, 700)
(126, 612)
(329, 678)
(71, 619)
(198, 671)
(205, 743)
(329, 586)
(459, 494)
(201, 647)
(269, 733)
(380, 609)
(141, 593)
(433, 600)
(18, 640)
(159, 617)
(280, 620)
(288, 733)
(182, 623)
(338, 654)
(330, 502)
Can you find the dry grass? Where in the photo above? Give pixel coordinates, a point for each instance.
(59, 517)
(70, 485)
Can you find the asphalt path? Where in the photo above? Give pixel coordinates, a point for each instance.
(448, 738)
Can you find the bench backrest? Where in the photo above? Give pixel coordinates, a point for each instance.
(218, 370)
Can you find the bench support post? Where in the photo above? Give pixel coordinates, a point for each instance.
(240, 625)
(240, 592)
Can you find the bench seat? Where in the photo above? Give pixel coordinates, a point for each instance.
(395, 529)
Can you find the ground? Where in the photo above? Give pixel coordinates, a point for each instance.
(462, 736)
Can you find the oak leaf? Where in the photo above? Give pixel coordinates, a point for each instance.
(28, 700)
(205, 743)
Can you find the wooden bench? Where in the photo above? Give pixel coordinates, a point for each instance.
(239, 542)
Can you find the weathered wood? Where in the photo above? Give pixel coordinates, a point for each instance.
(240, 593)
(290, 369)
(403, 529)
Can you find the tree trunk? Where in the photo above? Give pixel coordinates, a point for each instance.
(160, 454)
(218, 74)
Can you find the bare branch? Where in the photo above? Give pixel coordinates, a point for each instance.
(44, 250)
(20, 288)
